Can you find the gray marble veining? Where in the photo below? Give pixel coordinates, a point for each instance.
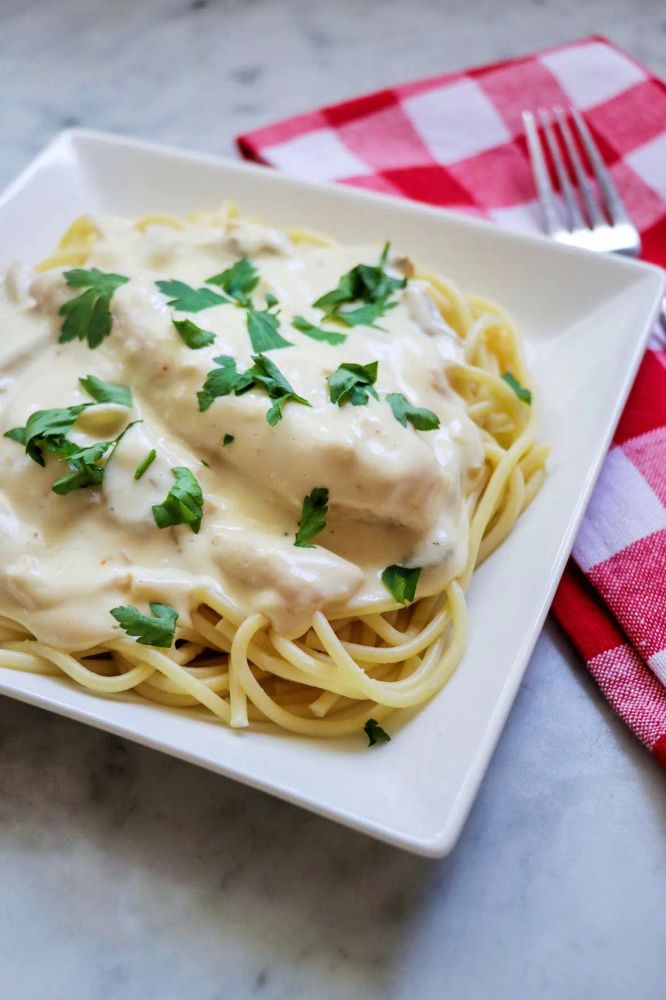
(125, 874)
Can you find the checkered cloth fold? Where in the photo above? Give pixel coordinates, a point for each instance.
(457, 140)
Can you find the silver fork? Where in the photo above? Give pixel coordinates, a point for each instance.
(599, 223)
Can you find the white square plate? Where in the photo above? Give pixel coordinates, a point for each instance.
(585, 320)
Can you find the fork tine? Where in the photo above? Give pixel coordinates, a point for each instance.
(541, 176)
(594, 213)
(575, 218)
(611, 195)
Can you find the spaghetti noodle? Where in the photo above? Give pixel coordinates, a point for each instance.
(351, 649)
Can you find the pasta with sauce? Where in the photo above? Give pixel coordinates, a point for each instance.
(252, 471)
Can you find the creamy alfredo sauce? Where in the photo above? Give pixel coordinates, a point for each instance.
(396, 494)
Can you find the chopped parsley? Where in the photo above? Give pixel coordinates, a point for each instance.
(84, 463)
(264, 330)
(367, 284)
(401, 582)
(192, 335)
(418, 416)
(85, 468)
(46, 429)
(106, 392)
(523, 394)
(187, 299)
(313, 517)
(352, 383)
(264, 374)
(238, 281)
(221, 381)
(183, 503)
(88, 316)
(157, 630)
(228, 438)
(145, 464)
(316, 333)
(375, 733)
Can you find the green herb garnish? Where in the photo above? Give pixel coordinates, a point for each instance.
(228, 438)
(523, 394)
(85, 469)
(183, 503)
(187, 299)
(88, 315)
(221, 381)
(84, 463)
(46, 429)
(401, 582)
(365, 283)
(144, 465)
(316, 333)
(313, 517)
(238, 281)
(375, 733)
(264, 373)
(418, 417)
(156, 631)
(352, 383)
(263, 328)
(192, 335)
(106, 392)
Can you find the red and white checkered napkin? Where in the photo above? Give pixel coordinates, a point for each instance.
(457, 140)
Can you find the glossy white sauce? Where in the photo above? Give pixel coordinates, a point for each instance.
(396, 494)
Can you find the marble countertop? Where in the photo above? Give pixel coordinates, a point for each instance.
(125, 874)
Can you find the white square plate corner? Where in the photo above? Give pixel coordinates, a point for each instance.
(585, 321)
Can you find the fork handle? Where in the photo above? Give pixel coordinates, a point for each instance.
(662, 315)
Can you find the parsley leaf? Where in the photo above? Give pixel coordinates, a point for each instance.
(45, 429)
(263, 328)
(183, 503)
(523, 394)
(365, 283)
(84, 463)
(16, 434)
(88, 315)
(228, 438)
(220, 381)
(363, 315)
(375, 733)
(352, 383)
(192, 335)
(85, 470)
(238, 281)
(316, 333)
(106, 392)
(418, 416)
(145, 464)
(156, 631)
(313, 517)
(266, 374)
(401, 582)
(187, 299)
